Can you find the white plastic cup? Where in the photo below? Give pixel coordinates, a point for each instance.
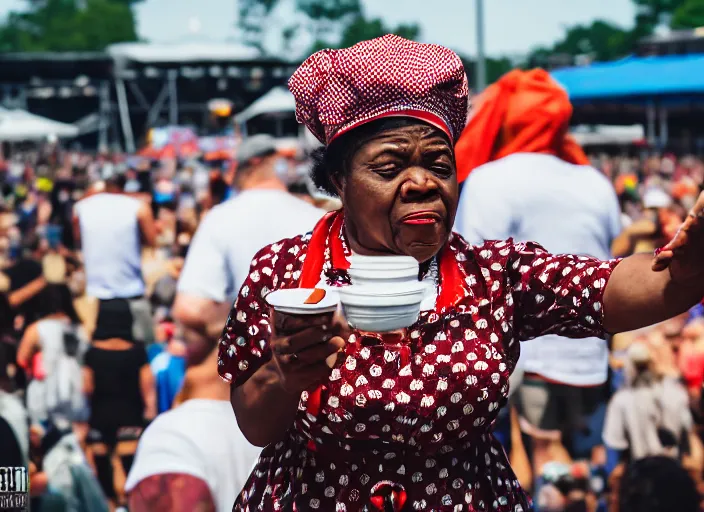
(382, 277)
(382, 262)
(369, 308)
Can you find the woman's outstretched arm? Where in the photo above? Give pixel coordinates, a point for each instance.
(636, 296)
(644, 290)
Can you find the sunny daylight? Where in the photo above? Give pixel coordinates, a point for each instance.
(351, 255)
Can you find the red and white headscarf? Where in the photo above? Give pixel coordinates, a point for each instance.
(338, 90)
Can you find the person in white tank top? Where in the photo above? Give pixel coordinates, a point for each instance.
(112, 228)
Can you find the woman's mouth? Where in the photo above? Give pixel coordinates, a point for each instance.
(421, 218)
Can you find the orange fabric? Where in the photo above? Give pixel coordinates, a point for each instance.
(684, 188)
(524, 112)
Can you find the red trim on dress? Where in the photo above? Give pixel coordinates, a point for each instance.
(328, 234)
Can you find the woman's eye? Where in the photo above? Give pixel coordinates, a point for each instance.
(442, 169)
(386, 169)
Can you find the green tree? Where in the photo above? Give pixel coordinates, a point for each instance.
(330, 10)
(600, 40)
(325, 19)
(330, 23)
(652, 13)
(688, 15)
(495, 68)
(342, 23)
(361, 29)
(253, 17)
(605, 41)
(68, 25)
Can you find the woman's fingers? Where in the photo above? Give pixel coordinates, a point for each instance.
(302, 369)
(312, 352)
(693, 225)
(321, 328)
(289, 324)
(687, 246)
(304, 341)
(662, 260)
(306, 347)
(317, 353)
(309, 337)
(698, 209)
(680, 237)
(340, 326)
(304, 377)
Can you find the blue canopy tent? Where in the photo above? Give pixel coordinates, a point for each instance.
(658, 83)
(635, 78)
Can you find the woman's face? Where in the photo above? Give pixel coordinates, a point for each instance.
(400, 195)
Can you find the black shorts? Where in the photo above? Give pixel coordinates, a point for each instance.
(111, 435)
(126, 319)
(550, 406)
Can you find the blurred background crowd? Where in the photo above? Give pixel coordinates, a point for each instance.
(113, 151)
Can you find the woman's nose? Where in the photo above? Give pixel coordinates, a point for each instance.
(417, 182)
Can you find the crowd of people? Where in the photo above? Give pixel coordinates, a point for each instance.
(118, 274)
(97, 305)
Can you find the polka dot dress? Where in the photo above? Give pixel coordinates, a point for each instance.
(409, 423)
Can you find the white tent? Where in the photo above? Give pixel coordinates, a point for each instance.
(185, 52)
(586, 135)
(277, 101)
(18, 125)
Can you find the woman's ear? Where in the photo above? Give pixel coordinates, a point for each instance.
(338, 183)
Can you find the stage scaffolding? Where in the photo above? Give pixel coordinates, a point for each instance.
(116, 96)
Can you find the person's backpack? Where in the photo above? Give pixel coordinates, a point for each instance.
(65, 399)
(70, 477)
(89, 495)
(72, 343)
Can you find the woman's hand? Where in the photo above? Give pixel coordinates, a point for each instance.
(305, 348)
(684, 255)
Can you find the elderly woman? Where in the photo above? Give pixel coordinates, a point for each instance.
(407, 425)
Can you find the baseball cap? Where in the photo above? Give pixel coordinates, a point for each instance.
(638, 353)
(255, 146)
(656, 197)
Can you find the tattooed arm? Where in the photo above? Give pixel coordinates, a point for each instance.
(171, 492)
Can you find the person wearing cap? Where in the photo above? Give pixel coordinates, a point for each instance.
(530, 181)
(405, 422)
(217, 263)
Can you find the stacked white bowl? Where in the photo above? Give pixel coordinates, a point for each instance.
(385, 294)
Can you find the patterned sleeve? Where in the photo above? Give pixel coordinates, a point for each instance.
(244, 344)
(557, 294)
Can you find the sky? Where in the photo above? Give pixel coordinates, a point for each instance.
(513, 27)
